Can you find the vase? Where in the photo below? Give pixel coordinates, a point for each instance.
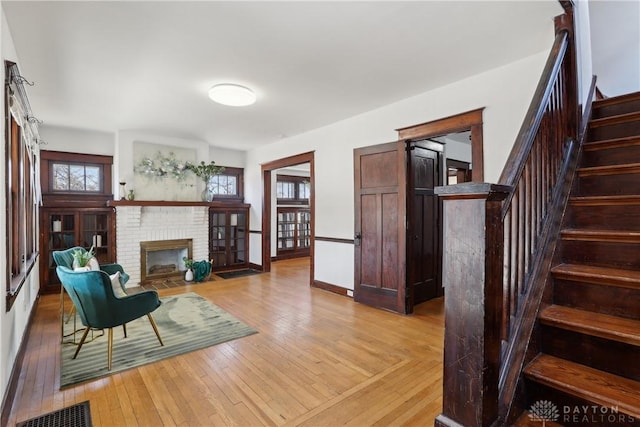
(205, 195)
(188, 276)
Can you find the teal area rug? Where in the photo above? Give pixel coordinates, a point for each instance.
(186, 323)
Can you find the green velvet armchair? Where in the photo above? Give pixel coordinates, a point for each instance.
(65, 258)
(99, 308)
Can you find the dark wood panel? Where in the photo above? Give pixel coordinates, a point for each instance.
(380, 244)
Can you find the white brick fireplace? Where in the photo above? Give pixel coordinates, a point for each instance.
(143, 223)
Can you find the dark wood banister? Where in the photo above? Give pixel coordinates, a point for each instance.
(524, 141)
(499, 242)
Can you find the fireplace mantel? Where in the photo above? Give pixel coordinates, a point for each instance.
(171, 203)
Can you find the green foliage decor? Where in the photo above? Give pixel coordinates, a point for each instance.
(163, 166)
(205, 170)
(82, 257)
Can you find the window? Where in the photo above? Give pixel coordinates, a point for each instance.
(72, 177)
(227, 185)
(293, 189)
(72, 174)
(21, 187)
(285, 190)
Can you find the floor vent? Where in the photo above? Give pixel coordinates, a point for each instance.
(78, 415)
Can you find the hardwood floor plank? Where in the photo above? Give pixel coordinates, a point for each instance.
(318, 359)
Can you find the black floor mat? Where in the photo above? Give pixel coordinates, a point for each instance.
(237, 273)
(78, 415)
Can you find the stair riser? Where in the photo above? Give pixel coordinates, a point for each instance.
(610, 356)
(630, 106)
(606, 217)
(608, 185)
(572, 410)
(601, 254)
(611, 300)
(621, 130)
(611, 156)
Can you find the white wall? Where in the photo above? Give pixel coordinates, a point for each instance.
(615, 42)
(505, 93)
(77, 140)
(583, 49)
(13, 324)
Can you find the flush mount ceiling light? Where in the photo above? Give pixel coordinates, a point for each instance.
(232, 94)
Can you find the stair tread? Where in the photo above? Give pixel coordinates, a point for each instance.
(598, 275)
(526, 420)
(593, 385)
(616, 100)
(609, 169)
(611, 143)
(615, 119)
(601, 235)
(605, 200)
(595, 324)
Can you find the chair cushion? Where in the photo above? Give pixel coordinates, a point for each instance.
(115, 284)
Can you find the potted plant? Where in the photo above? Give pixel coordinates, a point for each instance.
(205, 171)
(188, 262)
(81, 259)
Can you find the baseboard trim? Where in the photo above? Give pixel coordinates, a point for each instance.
(255, 266)
(10, 392)
(329, 287)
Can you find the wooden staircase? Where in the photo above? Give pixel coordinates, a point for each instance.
(589, 332)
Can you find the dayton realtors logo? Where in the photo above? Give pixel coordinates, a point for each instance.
(543, 411)
(546, 411)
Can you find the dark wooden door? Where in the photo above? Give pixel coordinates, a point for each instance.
(380, 227)
(423, 222)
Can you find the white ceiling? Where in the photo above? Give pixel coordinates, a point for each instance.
(148, 65)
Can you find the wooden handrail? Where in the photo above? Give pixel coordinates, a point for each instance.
(503, 239)
(522, 147)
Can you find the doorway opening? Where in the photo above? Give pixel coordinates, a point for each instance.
(398, 220)
(307, 232)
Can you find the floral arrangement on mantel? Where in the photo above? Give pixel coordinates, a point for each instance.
(163, 166)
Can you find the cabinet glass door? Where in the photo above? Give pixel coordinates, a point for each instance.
(62, 235)
(304, 229)
(218, 238)
(286, 230)
(237, 234)
(94, 233)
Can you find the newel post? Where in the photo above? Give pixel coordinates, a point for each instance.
(472, 276)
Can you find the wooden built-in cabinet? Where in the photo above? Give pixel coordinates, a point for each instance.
(63, 228)
(229, 236)
(74, 212)
(294, 232)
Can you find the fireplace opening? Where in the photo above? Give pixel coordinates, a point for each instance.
(163, 258)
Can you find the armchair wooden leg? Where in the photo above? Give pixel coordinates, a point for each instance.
(110, 349)
(84, 336)
(61, 313)
(155, 328)
(124, 328)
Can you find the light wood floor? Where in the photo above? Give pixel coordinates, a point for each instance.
(319, 359)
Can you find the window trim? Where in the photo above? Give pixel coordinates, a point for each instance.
(296, 180)
(48, 158)
(239, 196)
(21, 188)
